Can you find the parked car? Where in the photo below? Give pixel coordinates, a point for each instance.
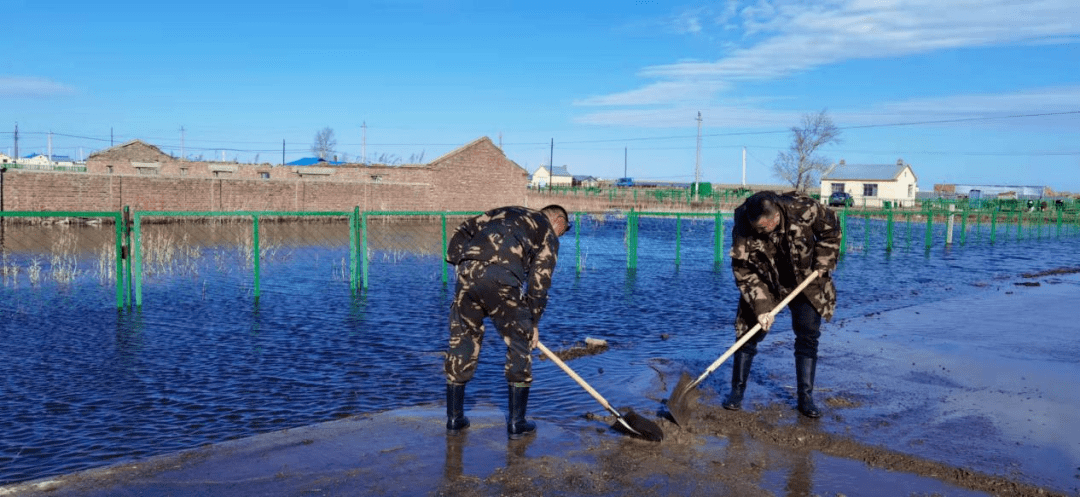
(624, 182)
(841, 199)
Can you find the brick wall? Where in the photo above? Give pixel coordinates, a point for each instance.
(474, 177)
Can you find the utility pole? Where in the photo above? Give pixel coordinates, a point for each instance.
(182, 157)
(500, 140)
(551, 164)
(50, 147)
(110, 136)
(363, 145)
(744, 166)
(697, 164)
(624, 162)
(16, 158)
(282, 151)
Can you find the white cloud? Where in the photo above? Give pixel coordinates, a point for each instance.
(785, 37)
(24, 86)
(664, 92)
(801, 37)
(1048, 100)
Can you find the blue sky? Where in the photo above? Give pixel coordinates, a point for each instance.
(965, 91)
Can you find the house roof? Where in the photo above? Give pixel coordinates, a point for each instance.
(560, 171)
(311, 161)
(483, 141)
(136, 146)
(878, 172)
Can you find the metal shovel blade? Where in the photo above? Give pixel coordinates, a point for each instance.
(679, 402)
(633, 424)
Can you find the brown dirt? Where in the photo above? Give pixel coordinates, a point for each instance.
(611, 465)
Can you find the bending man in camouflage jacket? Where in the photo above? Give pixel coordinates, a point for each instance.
(778, 241)
(497, 254)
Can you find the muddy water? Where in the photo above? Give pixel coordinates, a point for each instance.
(202, 361)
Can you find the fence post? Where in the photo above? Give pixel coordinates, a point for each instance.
(135, 252)
(678, 238)
(363, 250)
(929, 239)
(950, 220)
(718, 248)
(354, 237)
(127, 265)
(255, 253)
(577, 238)
(119, 228)
(445, 269)
(843, 231)
(889, 230)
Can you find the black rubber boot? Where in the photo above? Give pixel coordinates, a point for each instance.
(455, 408)
(805, 368)
(740, 372)
(517, 426)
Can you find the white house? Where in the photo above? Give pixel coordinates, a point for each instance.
(872, 184)
(557, 176)
(35, 160)
(4, 159)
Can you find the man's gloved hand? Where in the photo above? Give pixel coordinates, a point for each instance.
(535, 337)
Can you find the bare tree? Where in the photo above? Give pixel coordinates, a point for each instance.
(324, 144)
(800, 165)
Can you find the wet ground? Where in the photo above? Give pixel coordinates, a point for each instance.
(917, 402)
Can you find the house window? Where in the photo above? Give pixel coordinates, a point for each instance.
(109, 168)
(910, 191)
(837, 187)
(217, 174)
(869, 190)
(183, 171)
(148, 171)
(376, 178)
(264, 175)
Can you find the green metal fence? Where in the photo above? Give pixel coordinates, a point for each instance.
(130, 246)
(94, 234)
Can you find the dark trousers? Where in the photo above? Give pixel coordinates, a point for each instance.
(485, 290)
(805, 322)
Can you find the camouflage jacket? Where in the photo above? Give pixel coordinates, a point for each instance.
(768, 267)
(517, 239)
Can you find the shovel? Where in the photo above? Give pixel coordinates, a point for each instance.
(631, 424)
(678, 404)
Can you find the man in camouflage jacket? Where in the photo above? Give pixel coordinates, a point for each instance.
(778, 241)
(505, 259)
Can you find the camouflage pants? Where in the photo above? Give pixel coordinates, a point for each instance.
(485, 290)
(805, 322)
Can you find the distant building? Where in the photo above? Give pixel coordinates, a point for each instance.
(992, 191)
(4, 159)
(557, 176)
(872, 184)
(35, 160)
(585, 181)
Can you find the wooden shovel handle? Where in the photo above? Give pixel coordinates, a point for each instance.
(746, 338)
(596, 395)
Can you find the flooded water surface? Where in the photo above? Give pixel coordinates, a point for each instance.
(202, 360)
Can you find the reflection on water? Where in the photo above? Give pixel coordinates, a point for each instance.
(202, 361)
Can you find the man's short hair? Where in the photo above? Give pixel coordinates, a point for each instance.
(760, 205)
(557, 210)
